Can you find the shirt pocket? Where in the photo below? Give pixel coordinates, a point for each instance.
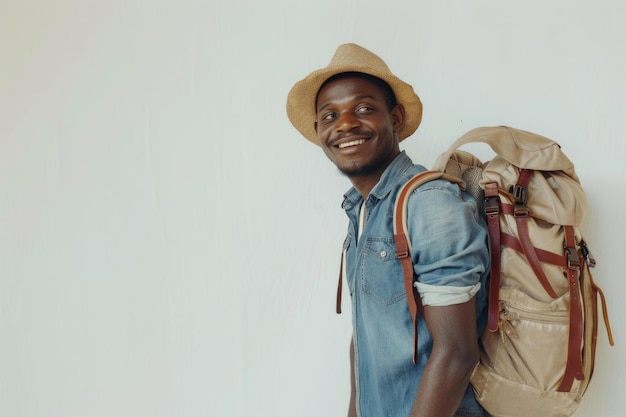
(382, 278)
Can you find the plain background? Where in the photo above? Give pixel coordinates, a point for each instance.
(169, 244)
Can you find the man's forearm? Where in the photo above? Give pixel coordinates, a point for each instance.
(454, 355)
(442, 387)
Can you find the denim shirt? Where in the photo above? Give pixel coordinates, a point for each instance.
(449, 238)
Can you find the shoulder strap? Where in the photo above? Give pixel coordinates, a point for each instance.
(403, 244)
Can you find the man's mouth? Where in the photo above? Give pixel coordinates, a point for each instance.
(351, 143)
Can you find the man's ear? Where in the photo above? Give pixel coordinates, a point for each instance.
(315, 126)
(398, 116)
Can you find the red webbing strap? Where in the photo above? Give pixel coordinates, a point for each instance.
(574, 367)
(492, 211)
(544, 256)
(413, 298)
(340, 284)
(402, 252)
(521, 219)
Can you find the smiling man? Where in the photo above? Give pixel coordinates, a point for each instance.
(356, 124)
(357, 111)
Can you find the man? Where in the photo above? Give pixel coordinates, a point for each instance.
(357, 111)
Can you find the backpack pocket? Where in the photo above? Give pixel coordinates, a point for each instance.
(494, 393)
(526, 358)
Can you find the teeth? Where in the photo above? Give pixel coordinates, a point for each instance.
(353, 143)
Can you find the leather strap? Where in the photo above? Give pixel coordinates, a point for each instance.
(340, 283)
(595, 291)
(521, 219)
(413, 298)
(544, 256)
(574, 366)
(403, 246)
(605, 312)
(403, 253)
(492, 211)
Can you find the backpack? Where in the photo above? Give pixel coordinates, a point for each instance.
(537, 352)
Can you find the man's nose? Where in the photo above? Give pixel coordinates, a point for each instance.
(347, 121)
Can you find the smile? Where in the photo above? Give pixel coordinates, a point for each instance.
(351, 143)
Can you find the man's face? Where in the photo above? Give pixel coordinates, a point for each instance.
(355, 127)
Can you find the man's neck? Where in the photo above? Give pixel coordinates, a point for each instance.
(365, 183)
(363, 188)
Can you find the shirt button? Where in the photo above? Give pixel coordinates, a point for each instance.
(383, 254)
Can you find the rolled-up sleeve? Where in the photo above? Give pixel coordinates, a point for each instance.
(436, 295)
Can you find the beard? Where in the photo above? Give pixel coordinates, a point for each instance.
(376, 165)
(361, 170)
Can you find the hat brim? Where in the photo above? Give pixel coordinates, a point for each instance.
(301, 100)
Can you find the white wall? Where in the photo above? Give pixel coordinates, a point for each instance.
(169, 244)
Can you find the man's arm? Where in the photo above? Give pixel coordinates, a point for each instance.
(454, 356)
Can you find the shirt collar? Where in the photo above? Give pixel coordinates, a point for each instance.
(390, 177)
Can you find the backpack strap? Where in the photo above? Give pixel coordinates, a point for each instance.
(340, 283)
(544, 256)
(403, 245)
(574, 367)
(605, 313)
(492, 211)
(521, 219)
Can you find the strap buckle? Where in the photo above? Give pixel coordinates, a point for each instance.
(402, 246)
(573, 261)
(520, 193)
(492, 205)
(584, 249)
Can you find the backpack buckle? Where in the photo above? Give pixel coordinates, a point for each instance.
(573, 261)
(492, 205)
(520, 210)
(584, 250)
(402, 246)
(520, 193)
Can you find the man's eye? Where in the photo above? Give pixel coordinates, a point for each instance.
(364, 109)
(328, 116)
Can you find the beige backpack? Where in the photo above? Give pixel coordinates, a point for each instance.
(537, 353)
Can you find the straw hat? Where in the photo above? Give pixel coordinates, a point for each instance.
(349, 58)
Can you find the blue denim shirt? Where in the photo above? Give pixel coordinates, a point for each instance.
(449, 238)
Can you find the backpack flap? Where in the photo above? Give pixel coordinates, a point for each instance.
(519, 147)
(554, 191)
(554, 196)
